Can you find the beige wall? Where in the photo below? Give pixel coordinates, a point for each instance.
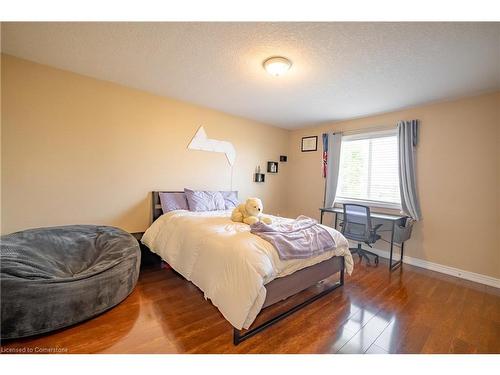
(0, 138)
(80, 150)
(458, 176)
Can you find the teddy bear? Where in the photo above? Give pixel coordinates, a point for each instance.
(250, 212)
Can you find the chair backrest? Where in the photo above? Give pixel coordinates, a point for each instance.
(357, 222)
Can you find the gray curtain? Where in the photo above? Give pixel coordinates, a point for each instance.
(332, 171)
(407, 143)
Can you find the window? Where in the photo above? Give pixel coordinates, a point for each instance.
(368, 171)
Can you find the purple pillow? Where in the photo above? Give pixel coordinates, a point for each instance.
(173, 201)
(230, 199)
(199, 200)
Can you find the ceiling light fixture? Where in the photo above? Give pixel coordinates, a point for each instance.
(277, 65)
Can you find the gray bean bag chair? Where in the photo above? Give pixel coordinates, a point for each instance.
(55, 277)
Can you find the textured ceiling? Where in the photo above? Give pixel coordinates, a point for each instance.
(340, 70)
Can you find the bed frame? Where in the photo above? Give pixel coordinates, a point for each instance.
(283, 287)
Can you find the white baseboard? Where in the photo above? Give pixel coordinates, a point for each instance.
(457, 272)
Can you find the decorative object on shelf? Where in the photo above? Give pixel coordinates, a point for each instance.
(272, 167)
(309, 144)
(259, 177)
(201, 142)
(283, 158)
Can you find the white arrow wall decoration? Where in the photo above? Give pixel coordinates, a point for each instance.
(201, 142)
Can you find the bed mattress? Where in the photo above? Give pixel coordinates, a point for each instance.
(227, 262)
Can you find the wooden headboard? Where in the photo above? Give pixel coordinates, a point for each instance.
(157, 211)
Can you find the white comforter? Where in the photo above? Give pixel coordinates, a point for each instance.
(227, 262)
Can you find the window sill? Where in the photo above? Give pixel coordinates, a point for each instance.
(387, 207)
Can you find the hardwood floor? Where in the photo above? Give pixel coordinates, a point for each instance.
(411, 310)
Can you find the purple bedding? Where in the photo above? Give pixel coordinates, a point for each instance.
(298, 239)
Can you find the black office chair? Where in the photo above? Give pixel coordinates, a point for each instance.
(357, 226)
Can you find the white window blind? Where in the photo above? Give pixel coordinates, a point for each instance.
(368, 171)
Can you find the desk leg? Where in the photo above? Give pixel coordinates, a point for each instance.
(392, 245)
(321, 217)
(335, 225)
(399, 263)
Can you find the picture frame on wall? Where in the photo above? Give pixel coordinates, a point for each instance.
(309, 144)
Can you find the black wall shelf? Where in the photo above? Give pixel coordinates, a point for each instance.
(272, 167)
(259, 177)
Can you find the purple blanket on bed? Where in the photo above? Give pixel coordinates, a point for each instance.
(297, 239)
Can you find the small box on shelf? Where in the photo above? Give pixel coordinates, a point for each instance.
(259, 177)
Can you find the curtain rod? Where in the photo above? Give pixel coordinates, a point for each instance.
(365, 130)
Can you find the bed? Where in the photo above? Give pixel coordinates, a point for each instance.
(238, 271)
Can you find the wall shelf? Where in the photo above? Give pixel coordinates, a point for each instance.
(272, 167)
(259, 177)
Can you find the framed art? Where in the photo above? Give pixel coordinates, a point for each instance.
(309, 144)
